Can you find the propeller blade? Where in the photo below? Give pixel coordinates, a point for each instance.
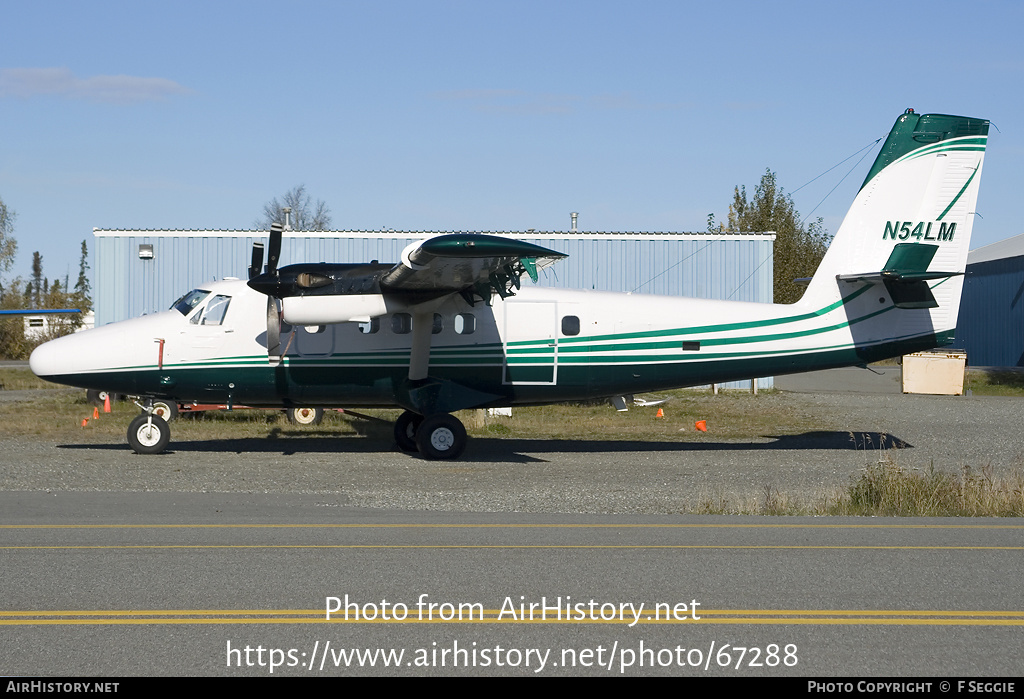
(272, 277)
(273, 330)
(256, 266)
(275, 247)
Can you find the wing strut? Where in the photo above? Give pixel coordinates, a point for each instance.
(419, 359)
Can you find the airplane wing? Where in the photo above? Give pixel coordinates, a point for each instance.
(469, 263)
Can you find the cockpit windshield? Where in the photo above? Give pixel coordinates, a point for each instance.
(215, 310)
(186, 303)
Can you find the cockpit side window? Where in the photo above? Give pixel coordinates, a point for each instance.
(216, 309)
(186, 303)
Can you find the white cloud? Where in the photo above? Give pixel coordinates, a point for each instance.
(61, 82)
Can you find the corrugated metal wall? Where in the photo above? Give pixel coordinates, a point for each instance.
(127, 286)
(990, 327)
(737, 268)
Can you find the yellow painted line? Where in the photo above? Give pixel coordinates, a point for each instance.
(511, 526)
(864, 612)
(491, 616)
(741, 621)
(513, 546)
(159, 612)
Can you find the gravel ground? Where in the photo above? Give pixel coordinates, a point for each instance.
(497, 475)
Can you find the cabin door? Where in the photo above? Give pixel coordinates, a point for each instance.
(530, 342)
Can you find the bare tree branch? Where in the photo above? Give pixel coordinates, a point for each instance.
(305, 215)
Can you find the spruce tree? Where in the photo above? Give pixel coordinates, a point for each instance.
(798, 248)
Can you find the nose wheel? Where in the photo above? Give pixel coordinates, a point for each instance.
(148, 434)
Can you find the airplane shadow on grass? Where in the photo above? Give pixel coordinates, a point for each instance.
(492, 449)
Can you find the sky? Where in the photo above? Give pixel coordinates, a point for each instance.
(479, 115)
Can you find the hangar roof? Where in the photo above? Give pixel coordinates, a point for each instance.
(391, 233)
(1011, 247)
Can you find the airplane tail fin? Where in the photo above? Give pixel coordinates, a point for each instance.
(904, 242)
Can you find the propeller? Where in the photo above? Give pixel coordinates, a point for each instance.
(256, 266)
(269, 280)
(275, 247)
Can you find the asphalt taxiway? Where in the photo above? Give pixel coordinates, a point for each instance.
(139, 584)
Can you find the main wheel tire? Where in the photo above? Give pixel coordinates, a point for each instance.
(167, 409)
(305, 416)
(148, 434)
(405, 430)
(441, 437)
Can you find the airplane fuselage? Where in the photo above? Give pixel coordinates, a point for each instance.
(541, 346)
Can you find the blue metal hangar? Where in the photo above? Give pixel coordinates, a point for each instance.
(990, 327)
(143, 271)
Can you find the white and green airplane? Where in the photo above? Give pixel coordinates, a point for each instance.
(451, 326)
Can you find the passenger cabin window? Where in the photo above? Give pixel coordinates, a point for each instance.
(570, 325)
(369, 327)
(216, 309)
(189, 301)
(401, 324)
(465, 323)
(438, 325)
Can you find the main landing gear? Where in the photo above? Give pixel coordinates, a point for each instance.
(440, 436)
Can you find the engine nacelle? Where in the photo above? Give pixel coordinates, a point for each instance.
(323, 310)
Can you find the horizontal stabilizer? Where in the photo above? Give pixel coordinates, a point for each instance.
(880, 277)
(905, 275)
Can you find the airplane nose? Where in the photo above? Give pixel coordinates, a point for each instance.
(105, 358)
(51, 359)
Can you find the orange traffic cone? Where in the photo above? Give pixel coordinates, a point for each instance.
(95, 413)
(701, 425)
(85, 422)
(661, 413)
(106, 403)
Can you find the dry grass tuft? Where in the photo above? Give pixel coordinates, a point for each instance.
(887, 490)
(18, 379)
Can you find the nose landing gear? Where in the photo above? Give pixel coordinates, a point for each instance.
(148, 434)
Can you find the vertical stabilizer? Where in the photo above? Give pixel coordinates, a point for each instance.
(909, 229)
